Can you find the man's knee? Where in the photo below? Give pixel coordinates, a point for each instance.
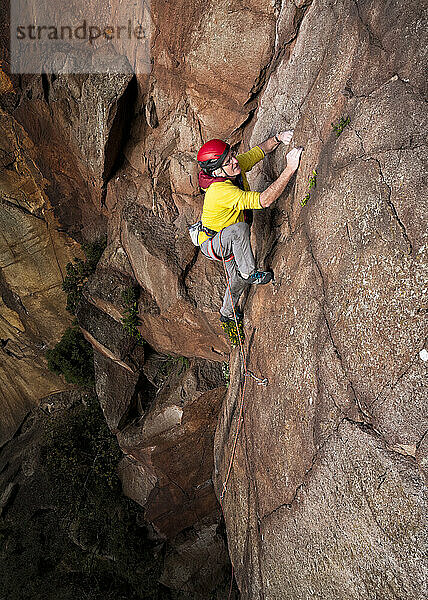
(240, 229)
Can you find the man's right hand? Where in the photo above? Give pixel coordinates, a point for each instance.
(293, 158)
(278, 186)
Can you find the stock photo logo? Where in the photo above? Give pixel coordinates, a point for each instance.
(80, 37)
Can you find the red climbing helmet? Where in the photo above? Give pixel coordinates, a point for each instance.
(212, 154)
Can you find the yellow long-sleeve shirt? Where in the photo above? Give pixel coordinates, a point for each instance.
(224, 202)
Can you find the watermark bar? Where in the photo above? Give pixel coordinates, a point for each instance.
(74, 36)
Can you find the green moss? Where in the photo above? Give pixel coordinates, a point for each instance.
(73, 357)
(178, 363)
(340, 126)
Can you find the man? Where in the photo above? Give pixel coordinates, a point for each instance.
(225, 233)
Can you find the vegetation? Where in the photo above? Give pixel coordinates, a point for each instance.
(87, 540)
(79, 271)
(340, 126)
(226, 373)
(73, 357)
(180, 362)
(312, 184)
(313, 179)
(305, 199)
(130, 319)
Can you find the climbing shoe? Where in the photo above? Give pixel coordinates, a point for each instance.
(239, 316)
(260, 277)
(230, 330)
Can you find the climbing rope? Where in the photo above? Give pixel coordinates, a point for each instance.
(247, 373)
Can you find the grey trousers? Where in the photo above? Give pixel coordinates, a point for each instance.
(235, 240)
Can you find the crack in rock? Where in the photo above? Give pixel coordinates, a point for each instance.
(361, 409)
(275, 59)
(372, 37)
(393, 209)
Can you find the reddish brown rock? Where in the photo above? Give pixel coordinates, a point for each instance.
(173, 442)
(325, 494)
(324, 487)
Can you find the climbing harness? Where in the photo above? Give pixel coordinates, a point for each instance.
(195, 230)
(212, 255)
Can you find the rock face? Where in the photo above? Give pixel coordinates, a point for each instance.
(324, 497)
(326, 483)
(33, 254)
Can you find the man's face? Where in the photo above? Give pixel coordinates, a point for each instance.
(231, 165)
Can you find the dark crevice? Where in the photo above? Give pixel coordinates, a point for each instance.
(45, 86)
(372, 37)
(10, 298)
(114, 155)
(276, 58)
(139, 404)
(393, 209)
(183, 290)
(246, 122)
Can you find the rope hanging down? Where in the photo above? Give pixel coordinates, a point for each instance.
(247, 373)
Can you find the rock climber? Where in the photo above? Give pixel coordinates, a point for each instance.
(225, 234)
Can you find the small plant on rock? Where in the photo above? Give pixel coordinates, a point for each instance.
(130, 319)
(312, 184)
(340, 126)
(79, 270)
(73, 357)
(305, 199)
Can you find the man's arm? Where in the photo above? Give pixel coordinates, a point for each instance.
(273, 142)
(278, 186)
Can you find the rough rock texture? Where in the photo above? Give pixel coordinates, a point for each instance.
(324, 499)
(33, 253)
(164, 412)
(168, 470)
